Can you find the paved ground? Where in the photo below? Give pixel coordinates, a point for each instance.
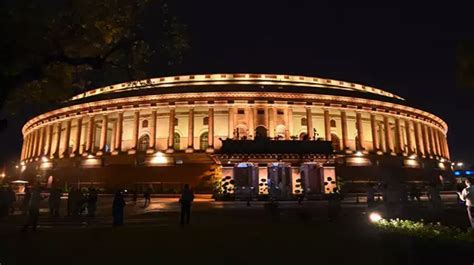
(225, 233)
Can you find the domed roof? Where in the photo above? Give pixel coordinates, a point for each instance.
(238, 82)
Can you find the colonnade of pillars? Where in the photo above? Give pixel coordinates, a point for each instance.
(423, 140)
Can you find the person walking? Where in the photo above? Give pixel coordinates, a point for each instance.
(467, 195)
(435, 202)
(33, 209)
(117, 209)
(71, 202)
(11, 200)
(147, 196)
(26, 200)
(54, 200)
(92, 202)
(370, 195)
(334, 204)
(187, 198)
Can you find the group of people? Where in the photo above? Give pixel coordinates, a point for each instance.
(118, 205)
(393, 198)
(79, 202)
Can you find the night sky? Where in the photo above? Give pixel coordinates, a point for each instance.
(409, 50)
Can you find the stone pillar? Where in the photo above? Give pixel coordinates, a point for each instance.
(290, 122)
(26, 144)
(58, 140)
(31, 144)
(210, 147)
(39, 152)
(152, 145)
(171, 132)
(360, 132)
(77, 138)
(435, 141)
(113, 136)
(135, 128)
(398, 137)
(345, 144)
(431, 140)
(67, 138)
(418, 139)
(285, 120)
(49, 140)
(424, 134)
(309, 123)
(271, 122)
(388, 135)
(327, 126)
(373, 127)
(23, 148)
(90, 135)
(409, 137)
(446, 146)
(231, 123)
(190, 148)
(251, 122)
(440, 143)
(103, 135)
(118, 135)
(35, 141)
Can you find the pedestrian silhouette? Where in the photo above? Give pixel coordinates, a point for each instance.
(147, 196)
(33, 209)
(54, 202)
(187, 198)
(92, 202)
(117, 208)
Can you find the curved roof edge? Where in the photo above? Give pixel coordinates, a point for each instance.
(235, 78)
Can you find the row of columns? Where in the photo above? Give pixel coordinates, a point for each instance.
(425, 140)
(39, 142)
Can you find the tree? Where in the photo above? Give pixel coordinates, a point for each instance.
(51, 50)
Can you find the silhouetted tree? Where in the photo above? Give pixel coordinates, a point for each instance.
(51, 50)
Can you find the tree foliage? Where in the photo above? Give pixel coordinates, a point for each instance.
(54, 49)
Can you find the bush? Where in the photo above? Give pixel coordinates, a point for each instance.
(422, 230)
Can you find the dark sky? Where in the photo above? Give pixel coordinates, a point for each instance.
(409, 50)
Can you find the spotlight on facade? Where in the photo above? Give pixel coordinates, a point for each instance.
(90, 156)
(159, 158)
(413, 156)
(44, 159)
(359, 153)
(375, 217)
(3, 175)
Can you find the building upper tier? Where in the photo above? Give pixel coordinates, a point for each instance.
(205, 81)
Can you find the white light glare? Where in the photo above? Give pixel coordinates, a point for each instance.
(375, 217)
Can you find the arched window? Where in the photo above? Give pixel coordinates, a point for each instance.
(333, 123)
(177, 141)
(261, 131)
(304, 122)
(143, 143)
(204, 141)
(303, 136)
(175, 121)
(205, 121)
(145, 124)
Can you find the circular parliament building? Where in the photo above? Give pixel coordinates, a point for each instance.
(254, 132)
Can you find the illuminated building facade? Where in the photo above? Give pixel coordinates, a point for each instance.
(167, 131)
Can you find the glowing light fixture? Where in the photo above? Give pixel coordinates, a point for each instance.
(359, 153)
(413, 156)
(44, 159)
(459, 164)
(375, 217)
(90, 156)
